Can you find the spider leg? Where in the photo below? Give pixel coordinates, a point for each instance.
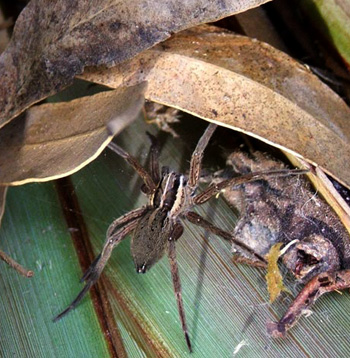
(96, 268)
(196, 219)
(214, 189)
(142, 172)
(197, 156)
(91, 268)
(177, 232)
(154, 158)
(131, 215)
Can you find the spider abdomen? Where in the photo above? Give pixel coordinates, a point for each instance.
(149, 240)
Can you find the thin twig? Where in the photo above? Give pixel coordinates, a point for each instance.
(316, 287)
(11, 262)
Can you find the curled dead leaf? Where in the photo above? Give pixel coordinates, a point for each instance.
(245, 85)
(255, 24)
(55, 140)
(54, 40)
(4, 39)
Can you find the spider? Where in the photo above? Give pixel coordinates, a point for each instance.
(157, 226)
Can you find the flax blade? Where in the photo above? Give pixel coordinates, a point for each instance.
(35, 234)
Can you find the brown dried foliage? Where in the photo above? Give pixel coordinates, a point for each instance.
(54, 40)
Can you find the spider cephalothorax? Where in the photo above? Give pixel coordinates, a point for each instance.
(157, 225)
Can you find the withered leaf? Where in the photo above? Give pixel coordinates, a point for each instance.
(245, 85)
(54, 40)
(54, 140)
(4, 37)
(255, 24)
(273, 277)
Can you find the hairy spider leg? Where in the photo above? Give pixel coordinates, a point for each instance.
(151, 186)
(116, 224)
(216, 188)
(198, 220)
(195, 168)
(91, 268)
(98, 267)
(197, 156)
(177, 232)
(154, 153)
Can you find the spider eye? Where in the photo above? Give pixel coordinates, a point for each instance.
(141, 269)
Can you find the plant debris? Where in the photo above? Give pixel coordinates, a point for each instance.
(3, 256)
(54, 41)
(286, 211)
(15, 265)
(273, 277)
(316, 287)
(162, 116)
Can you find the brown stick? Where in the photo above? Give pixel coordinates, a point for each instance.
(316, 287)
(11, 262)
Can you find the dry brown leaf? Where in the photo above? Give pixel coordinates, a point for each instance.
(245, 85)
(4, 37)
(273, 277)
(54, 40)
(55, 140)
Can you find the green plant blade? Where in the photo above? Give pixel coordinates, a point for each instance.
(35, 234)
(331, 18)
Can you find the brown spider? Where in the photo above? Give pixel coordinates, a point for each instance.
(157, 226)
